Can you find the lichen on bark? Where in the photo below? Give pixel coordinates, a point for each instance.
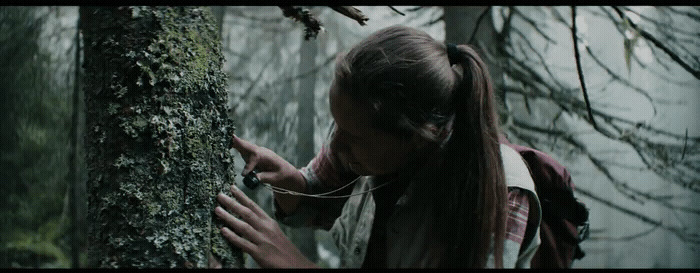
(157, 141)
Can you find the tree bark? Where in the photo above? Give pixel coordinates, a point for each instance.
(157, 137)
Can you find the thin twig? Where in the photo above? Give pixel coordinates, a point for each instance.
(659, 44)
(678, 232)
(685, 143)
(628, 237)
(257, 79)
(414, 9)
(621, 186)
(397, 11)
(311, 71)
(616, 77)
(543, 63)
(578, 66)
(434, 21)
(693, 16)
(533, 24)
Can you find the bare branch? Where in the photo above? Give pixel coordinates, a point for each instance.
(680, 232)
(626, 238)
(434, 21)
(313, 26)
(397, 11)
(617, 77)
(685, 144)
(621, 186)
(570, 104)
(659, 44)
(670, 28)
(257, 79)
(534, 25)
(694, 16)
(311, 71)
(574, 35)
(671, 156)
(543, 63)
(415, 9)
(352, 13)
(529, 77)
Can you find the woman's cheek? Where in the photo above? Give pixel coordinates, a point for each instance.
(364, 157)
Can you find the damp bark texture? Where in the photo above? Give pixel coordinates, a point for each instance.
(157, 140)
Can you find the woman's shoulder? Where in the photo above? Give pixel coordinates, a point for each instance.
(516, 171)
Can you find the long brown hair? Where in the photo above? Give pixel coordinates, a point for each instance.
(407, 79)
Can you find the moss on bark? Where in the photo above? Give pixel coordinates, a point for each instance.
(157, 141)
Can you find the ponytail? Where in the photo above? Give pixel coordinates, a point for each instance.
(477, 182)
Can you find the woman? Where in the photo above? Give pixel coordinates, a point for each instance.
(416, 130)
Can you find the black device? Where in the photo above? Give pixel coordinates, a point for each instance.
(251, 180)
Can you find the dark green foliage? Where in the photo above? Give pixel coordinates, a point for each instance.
(33, 146)
(157, 137)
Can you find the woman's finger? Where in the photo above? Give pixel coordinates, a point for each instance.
(247, 202)
(266, 177)
(247, 151)
(238, 241)
(246, 214)
(250, 164)
(239, 226)
(242, 146)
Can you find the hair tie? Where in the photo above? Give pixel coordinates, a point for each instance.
(453, 54)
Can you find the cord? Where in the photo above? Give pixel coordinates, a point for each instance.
(325, 194)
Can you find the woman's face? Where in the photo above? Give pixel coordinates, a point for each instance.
(362, 148)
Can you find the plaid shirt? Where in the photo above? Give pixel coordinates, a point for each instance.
(324, 173)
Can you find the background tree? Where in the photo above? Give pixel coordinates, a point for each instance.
(157, 137)
(305, 237)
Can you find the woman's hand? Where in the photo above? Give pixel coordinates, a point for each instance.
(272, 169)
(257, 234)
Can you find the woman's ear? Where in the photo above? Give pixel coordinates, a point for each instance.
(428, 133)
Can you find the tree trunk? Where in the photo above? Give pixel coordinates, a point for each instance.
(461, 24)
(305, 237)
(219, 13)
(157, 137)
